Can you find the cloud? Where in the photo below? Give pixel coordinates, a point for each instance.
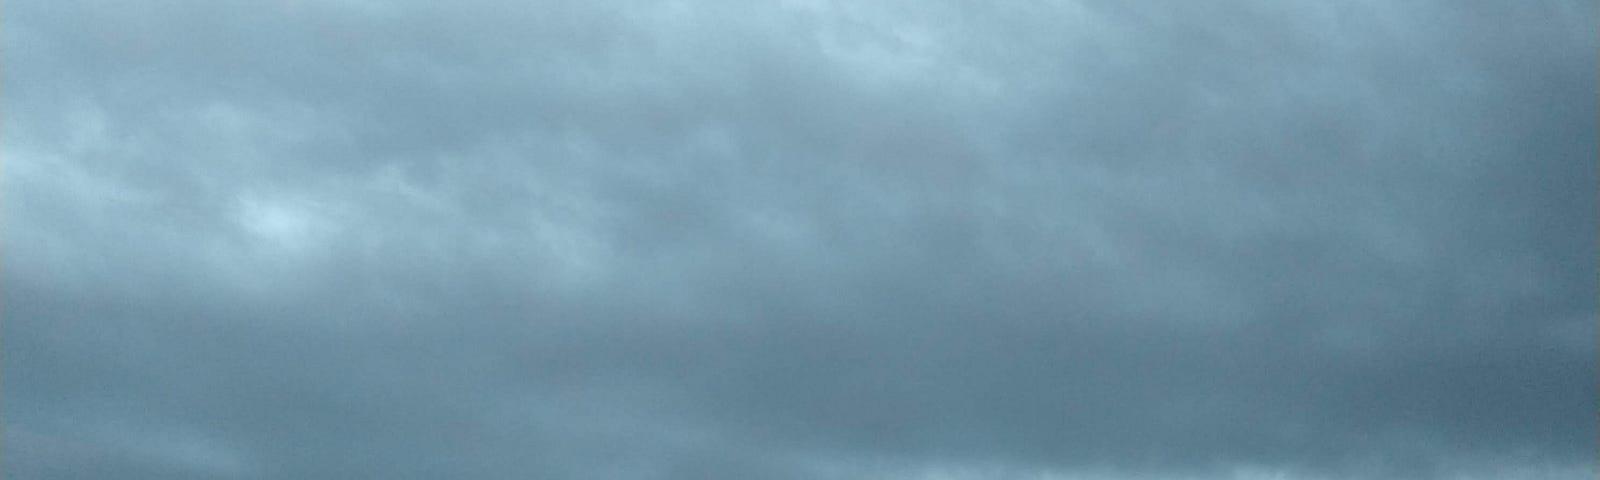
(799, 239)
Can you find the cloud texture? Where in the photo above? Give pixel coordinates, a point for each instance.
(1245, 239)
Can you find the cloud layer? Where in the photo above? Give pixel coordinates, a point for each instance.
(799, 239)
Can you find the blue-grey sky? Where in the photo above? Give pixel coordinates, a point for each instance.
(798, 239)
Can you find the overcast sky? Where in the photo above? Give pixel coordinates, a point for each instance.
(920, 239)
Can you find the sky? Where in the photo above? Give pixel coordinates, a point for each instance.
(799, 239)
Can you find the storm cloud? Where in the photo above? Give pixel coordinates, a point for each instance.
(1243, 239)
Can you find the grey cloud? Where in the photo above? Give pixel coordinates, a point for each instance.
(800, 239)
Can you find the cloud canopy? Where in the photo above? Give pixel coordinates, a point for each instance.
(799, 239)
